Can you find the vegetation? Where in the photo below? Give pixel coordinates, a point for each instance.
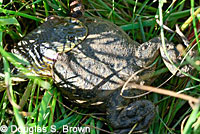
(43, 105)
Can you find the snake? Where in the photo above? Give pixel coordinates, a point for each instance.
(56, 35)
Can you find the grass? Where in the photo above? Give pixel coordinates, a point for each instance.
(42, 103)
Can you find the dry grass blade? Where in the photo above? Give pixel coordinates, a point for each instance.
(189, 20)
(165, 92)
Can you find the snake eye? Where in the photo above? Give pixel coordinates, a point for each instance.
(71, 38)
